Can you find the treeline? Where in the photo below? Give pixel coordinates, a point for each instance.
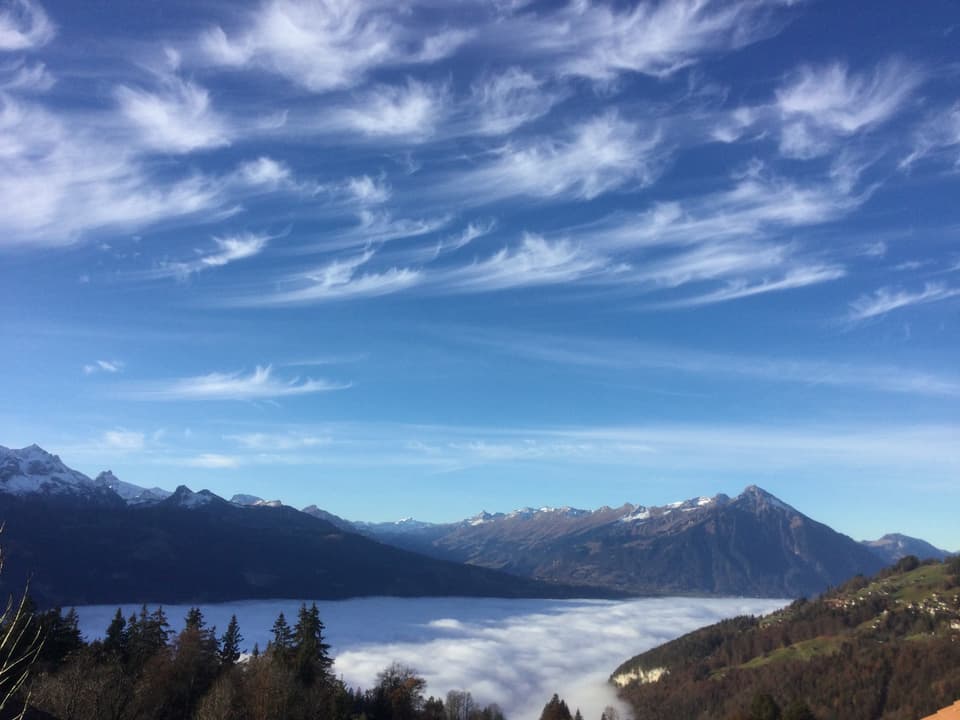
(141, 670)
(849, 655)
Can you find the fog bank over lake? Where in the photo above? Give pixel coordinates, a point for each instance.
(516, 653)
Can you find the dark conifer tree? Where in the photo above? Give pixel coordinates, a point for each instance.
(61, 635)
(230, 643)
(194, 619)
(115, 641)
(282, 643)
(311, 653)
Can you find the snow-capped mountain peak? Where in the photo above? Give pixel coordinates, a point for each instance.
(32, 470)
(761, 499)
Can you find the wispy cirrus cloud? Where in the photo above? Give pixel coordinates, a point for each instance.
(499, 103)
(411, 111)
(263, 172)
(759, 204)
(323, 45)
(600, 42)
(66, 178)
(23, 76)
(375, 226)
(938, 134)
(124, 440)
(176, 118)
(821, 104)
(275, 442)
(60, 181)
(592, 158)
(261, 384)
(24, 24)
(209, 461)
(606, 355)
(790, 278)
(473, 231)
(339, 279)
(226, 249)
(368, 190)
(107, 366)
(886, 300)
(534, 261)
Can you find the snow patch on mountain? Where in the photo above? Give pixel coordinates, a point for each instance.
(639, 514)
(254, 501)
(130, 493)
(187, 498)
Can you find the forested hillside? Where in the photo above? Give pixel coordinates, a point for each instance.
(885, 648)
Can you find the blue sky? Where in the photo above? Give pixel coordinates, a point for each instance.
(424, 259)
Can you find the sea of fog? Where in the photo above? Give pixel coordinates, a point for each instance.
(516, 653)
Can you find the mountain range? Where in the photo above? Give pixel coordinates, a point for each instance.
(752, 544)
(103, 540)
(88, 541)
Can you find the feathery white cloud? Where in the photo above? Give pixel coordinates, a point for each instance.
(337, 280)
(59, 181)
(535, 261)
(938, 134)
(24, 25)
(593, 158)
(264, 171)
(598, 41)
(367, 190)
(227, 249)
(261, 384)
(376, 227)
(274, 442)
(610, 354)
(757, 205)
(124, 440)
(22, 76)
(410, 111)
(820, 104)
(107, 366)
(211, 461)
(473, 231)
(177, 119)
(324, 45)
(792, 278)
(887, 300)
(500, 103)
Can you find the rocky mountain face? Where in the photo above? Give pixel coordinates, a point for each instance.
(893, 546)
(753, 544)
